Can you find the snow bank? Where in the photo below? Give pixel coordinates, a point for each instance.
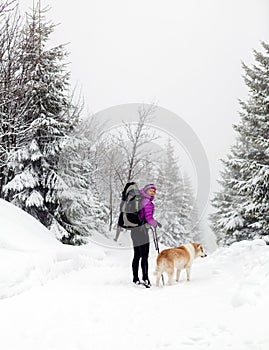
(31, 256)
(20, 231)
(246, 270)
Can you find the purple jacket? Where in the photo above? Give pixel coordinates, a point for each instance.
(147, 208)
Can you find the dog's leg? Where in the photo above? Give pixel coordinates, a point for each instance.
(178, 274)
(170, 276)
(188, 270)
(158, 277)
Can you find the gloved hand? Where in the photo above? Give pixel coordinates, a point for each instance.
(159, 224)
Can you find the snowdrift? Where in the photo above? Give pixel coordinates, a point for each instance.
(30, 255)
(20, 231)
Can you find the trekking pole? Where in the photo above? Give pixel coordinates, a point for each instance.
(155, 238)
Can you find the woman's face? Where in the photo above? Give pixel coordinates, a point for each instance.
(151, 192)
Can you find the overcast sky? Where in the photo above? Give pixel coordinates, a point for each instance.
(184, 54)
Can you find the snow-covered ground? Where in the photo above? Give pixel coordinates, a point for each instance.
(56, 297)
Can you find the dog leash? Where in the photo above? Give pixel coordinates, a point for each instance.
(156, 243)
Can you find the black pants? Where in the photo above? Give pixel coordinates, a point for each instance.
(140, 238)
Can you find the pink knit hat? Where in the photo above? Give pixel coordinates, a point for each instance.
(147, 187)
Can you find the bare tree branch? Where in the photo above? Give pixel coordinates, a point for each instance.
(137, 136)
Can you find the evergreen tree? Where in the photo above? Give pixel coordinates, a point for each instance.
(245, 179)
(83, 208)
(229, 222)
(173, 201)
(189, 212)
(47, 116)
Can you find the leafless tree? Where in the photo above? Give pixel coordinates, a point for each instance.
(9, 83)
(128, 156)
(132, 143)
(7, 6)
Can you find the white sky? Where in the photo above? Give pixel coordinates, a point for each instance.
(184, 54)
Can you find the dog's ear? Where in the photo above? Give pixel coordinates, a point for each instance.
(200, 246)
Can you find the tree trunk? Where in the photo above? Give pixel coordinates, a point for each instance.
(110, 207)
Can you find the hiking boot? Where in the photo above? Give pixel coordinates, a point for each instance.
(136, 282)
(147, 283)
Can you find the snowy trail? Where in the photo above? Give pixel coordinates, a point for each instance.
(56, 297)
(96, 307)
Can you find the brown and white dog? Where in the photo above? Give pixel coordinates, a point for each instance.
(178, 258)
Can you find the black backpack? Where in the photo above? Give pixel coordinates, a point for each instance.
(130, 207)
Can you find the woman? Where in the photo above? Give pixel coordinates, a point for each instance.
(140, 235)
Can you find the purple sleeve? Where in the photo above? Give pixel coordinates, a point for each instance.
(148, 209)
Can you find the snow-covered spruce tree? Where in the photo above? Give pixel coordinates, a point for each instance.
(46, 115)
(189, 212)
(173, 201)
(229, 222)
(83, 208)
(246, 213)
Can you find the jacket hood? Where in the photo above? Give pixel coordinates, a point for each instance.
(144, 194)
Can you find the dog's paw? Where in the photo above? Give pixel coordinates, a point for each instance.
(172, 283)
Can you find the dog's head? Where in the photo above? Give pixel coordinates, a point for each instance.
(199, 250)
